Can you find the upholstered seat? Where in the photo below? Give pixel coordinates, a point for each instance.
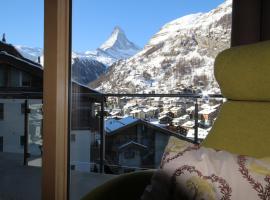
(243, 124)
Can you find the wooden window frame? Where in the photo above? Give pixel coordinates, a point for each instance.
(57, 48)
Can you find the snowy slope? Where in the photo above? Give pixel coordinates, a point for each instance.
(88, 66)
(31, 53)
(179, 56)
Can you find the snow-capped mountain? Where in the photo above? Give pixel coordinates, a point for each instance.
(31, 53)
(179, 56)
(85, 70)
(115, 48)
(88, 66)
(118, 46)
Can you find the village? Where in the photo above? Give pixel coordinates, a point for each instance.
(137, 129)
(174, 114)
(131, 133)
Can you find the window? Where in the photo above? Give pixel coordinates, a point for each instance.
(2, 76)
(22, 140)
(72, 167)
(22, 108)
(1, 111)
(1, 143)
(147, 81)
(73, 137)
(14, 78)
(26, 80)
(129, 154)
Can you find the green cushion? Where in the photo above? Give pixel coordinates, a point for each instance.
(243, 72)
(124, 187)
(242, 127)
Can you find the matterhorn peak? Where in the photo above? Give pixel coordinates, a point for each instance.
(118, 30)
(118, 45)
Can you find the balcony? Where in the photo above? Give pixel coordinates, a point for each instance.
(116, 133)
(134, 129)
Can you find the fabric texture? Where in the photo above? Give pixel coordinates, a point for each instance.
(242, 127)
(243, 72)
(192, 172)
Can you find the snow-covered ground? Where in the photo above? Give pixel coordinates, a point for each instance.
(180, 55)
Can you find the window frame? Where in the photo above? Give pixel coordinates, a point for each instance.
(56, 91)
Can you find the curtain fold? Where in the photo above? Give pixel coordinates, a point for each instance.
(250, 21)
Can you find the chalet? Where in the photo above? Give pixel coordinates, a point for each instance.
(151, 112)
(165, 119)
(180, 120)
(202, 133)
(188, 125)
(157, 102)
(128, 108)
(208, 114)
(133, 136)
(177, 111)
(129, 156)
(138, 113)
(167, 113)
(21, 94)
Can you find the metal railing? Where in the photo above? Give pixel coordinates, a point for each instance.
(104, 97)
(102, 100)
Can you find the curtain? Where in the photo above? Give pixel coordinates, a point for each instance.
(250, 21)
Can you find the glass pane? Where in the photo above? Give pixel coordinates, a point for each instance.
(26, 80)
(147, 71)
(21, 43)
(2, 76)
(35, 133)
(15, 78)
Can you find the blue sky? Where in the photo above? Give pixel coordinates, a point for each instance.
(94, 20)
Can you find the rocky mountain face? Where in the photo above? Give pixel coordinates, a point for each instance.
(88, 66)
(86, 70)
(179, 56)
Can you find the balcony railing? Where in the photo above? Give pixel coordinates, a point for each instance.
(109, 147)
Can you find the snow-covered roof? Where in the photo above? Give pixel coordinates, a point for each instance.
(128, 105)
(202, 133)
(188, 124)
(179, 119)
(149, 109)
(115, 112)
(175, 109)
(113, 124)
(192, 108)
(164, 116)
(136, 111)
(207, 111)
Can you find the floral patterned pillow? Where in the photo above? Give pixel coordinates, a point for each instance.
(188, 171)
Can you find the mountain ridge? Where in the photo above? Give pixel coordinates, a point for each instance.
(179, 56)
(88, 66)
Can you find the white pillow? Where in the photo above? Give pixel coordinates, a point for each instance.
(191, 172)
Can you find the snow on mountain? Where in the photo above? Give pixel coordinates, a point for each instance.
(85, 70)
(95, 55)
(88, 66)
(118, 46)
(31, 53)
(179, 57)
(115, 48)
